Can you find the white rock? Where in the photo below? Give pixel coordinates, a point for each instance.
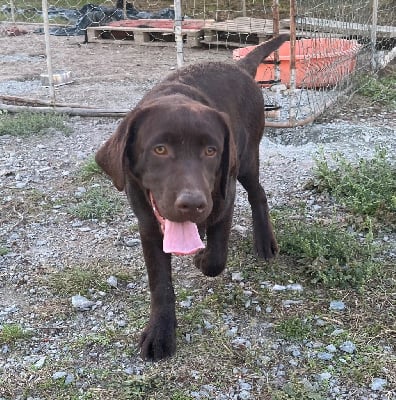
(378, 384)
(112, 281)
(237, 277)
(82, 303)
(348, 347)
(40, 362)
(337, 305)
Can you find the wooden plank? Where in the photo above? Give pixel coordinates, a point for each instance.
(140, 35)
(258, 29)
(350, 28)
(241, 25)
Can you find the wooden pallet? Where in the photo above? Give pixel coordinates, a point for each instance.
(241, 31)
(343, 27)
(147, 32)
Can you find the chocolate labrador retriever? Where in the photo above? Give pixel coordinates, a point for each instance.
(178, 155)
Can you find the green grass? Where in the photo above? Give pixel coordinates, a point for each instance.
(89, 170)
(329, 253)
(81, 278)
(381, 91)
(4, 250)
(76, 280)
(10, 333)
(98, 203)
(26, 124)
(300, 389)
(294, 328)
(366, 187)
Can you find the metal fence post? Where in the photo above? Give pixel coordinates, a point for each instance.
(48, 51)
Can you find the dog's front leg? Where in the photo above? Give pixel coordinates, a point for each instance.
(158, 339)
(212, 260)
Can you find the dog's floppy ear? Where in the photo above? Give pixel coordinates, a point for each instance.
(229, 159)
(111, 155)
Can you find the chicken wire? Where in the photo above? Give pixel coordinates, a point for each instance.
(332, 43)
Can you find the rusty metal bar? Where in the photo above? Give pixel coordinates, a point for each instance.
(292, 83)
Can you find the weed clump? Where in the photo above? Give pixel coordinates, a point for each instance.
(10, 333)
(97, 203)
(367, 188)
(380, 91)
(329, 254)
(31, 123)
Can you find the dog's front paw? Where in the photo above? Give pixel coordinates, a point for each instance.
(158, 340)
(267, 248)
(209, 264)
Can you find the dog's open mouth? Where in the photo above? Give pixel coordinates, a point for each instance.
(180, 238)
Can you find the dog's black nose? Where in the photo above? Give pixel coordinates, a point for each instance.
(191, 202)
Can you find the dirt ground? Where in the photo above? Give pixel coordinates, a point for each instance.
(106, 75)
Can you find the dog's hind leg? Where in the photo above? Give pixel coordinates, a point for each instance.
(264, 238)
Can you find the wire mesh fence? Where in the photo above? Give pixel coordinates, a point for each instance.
(331, 44)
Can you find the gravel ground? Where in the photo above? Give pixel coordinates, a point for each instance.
(39, 182)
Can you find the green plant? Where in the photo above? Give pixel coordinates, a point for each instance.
(76, 280)
(328, 253)
(10, 333)
(4, 250)
(97, 203)
(379, 90)
(367, 187)
(90, 169)
(28, 123)
(299, 390)
(294, 328)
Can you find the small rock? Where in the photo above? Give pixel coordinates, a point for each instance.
(325, 356)
(208, 325)
(245, 386)
(122, 323)
(296, 287)
(324, 376)
(240, 229)
(186, 303)
(378, 384)
(241, 343)
(288, 303)
(40, 362)
(232, 331)
(337, 332)
(59, 375)
(237, 277)
(69, 379)
(337, 305)
(112, 281)
(348, 347)
(132, 242)
(331, 348)
(82, 303)
(244, 395)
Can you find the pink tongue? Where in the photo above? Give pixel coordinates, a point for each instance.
(181, 238)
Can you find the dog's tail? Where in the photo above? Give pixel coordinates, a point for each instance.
(252, 60)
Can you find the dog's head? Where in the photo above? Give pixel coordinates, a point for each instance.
(181, 152)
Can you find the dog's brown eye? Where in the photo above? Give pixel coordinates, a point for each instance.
(210, 151)
(160, 150)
